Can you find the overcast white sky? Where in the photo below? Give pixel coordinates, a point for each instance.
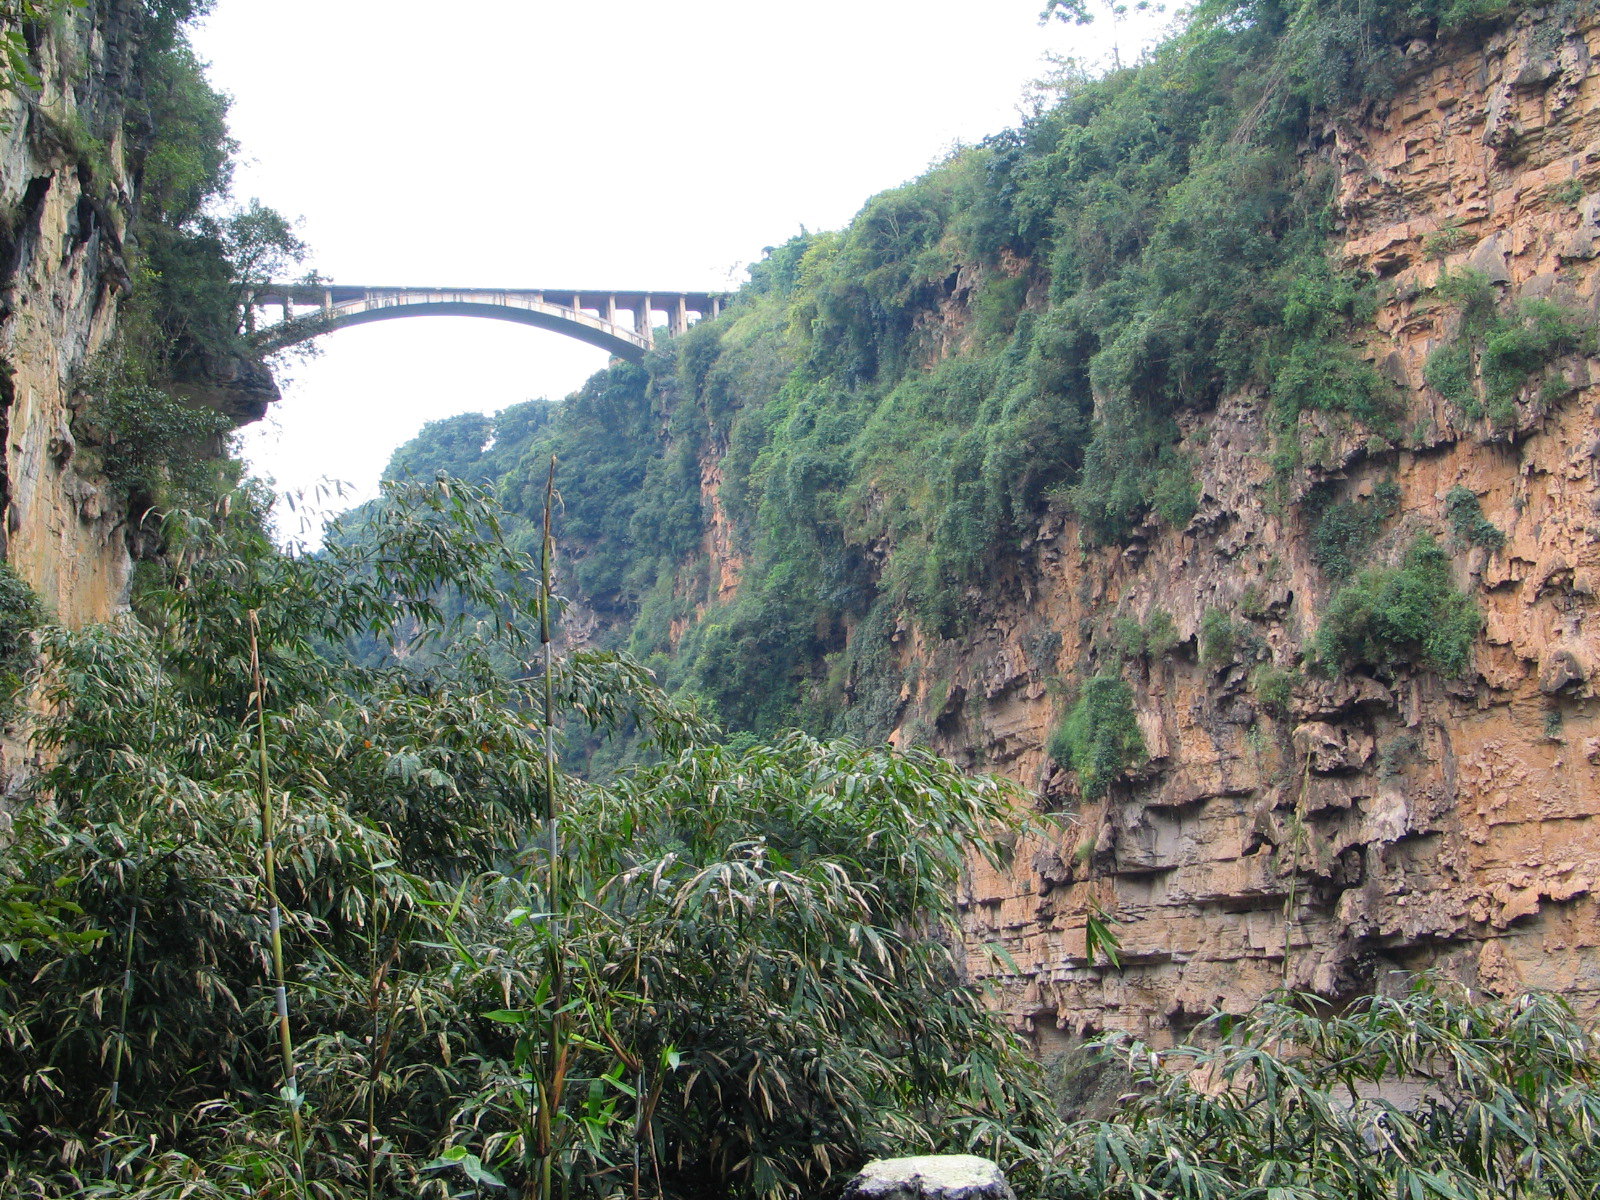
(576, 143)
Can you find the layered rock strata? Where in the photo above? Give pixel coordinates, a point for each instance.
(1365, 824)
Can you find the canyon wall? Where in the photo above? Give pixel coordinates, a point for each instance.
(73, 153)
(1363, 826)
(65, 203)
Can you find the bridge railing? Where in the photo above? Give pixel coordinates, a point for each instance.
(379, 298)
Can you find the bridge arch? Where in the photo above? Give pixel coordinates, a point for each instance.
(588, 316)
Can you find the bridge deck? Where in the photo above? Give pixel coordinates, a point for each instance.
(586, 314)
(346, 293)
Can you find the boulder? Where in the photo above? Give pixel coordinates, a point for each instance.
(930, 1177)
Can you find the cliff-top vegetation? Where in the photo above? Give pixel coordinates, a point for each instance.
(896, 406)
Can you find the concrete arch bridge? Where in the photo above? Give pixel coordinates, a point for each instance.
(310, 309)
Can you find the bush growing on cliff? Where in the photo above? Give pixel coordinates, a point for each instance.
(1099, 738)
(1345, 530)
(1410, 614)
(1153, 638)
(1465, 514)
(151, 444)
(1496, 353)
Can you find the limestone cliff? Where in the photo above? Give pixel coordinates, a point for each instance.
(1368, 826)
(64, 266)
(69, 192)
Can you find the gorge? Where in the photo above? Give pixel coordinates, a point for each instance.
(1286, 824)
(1209, 466)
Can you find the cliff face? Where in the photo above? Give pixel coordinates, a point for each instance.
(67, 198)
(62, 269)
(1364, 826)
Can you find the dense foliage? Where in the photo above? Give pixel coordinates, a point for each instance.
(1498, 350)
(1412, 613)
(735, 990)
(1099, 738)
(1465, 513)
(1429, 1095)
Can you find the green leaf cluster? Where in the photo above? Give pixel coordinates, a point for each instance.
(1465, 514)
(1154, 638)
(1345, 530)
(1496, 354)
(150, 443)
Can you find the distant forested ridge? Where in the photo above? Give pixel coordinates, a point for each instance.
(884, 412)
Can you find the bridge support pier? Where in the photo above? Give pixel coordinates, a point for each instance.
(641, 321)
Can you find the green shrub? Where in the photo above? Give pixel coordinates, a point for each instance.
(1318, 370)
(1156, 637)
(1219, 638)
(1099, 738)
(1411, 614)
(1346, 530)
(146, 435)
(1445, 240)
(1517, 348)
(1471, 527)
(1274, 687)
(1496, 353)
(1448, 371)
(1568, 191)
(997, 305)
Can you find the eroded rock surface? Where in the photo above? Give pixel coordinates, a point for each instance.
(1359, 825)
(66, 202)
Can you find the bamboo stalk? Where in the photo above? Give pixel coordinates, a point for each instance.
(122, 1036)
(541, 1183)
(374, 1001)
(291, 1086)
(546, 550)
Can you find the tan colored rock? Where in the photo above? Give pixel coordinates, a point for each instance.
(1560, 668)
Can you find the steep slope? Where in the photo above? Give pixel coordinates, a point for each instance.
(1216, 455)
